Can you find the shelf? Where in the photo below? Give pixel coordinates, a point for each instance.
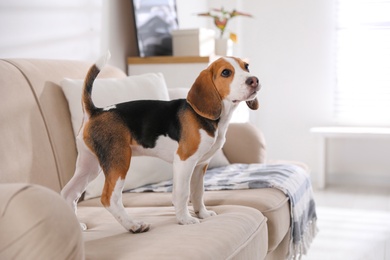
(167, 59)
(340, 131)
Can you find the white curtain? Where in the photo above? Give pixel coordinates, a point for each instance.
(50, 29)
(363, 63)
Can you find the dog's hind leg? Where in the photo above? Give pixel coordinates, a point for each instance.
(197, 191)
(87, 169)
(112, 192)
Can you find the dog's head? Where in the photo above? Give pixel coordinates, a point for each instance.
(225, 79)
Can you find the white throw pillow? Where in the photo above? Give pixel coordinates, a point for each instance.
(143, 170)
(111, 91)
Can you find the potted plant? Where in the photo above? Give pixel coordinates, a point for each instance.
(221, 17)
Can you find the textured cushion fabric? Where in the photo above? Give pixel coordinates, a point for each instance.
(235, 233)
(36, 223)
(143, 170)
(272, 203)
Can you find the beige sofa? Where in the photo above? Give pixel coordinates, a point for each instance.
(37, 158)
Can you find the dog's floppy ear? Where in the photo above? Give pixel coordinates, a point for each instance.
(253, 104)
(204, 98)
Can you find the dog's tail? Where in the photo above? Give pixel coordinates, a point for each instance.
(88, 105)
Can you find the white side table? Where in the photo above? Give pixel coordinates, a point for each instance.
(342, 132)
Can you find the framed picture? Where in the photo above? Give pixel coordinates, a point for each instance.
(154, 21)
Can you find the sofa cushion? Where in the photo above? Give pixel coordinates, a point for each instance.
(35, 222)
(235, 233)
(45, 145)
(143, 170)
(272, 203)
(25, 150)
(249, 148)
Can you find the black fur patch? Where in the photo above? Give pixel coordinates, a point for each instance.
(149, 119)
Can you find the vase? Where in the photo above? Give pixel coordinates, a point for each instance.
(223, 47)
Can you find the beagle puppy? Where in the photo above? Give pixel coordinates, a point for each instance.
(186, 132)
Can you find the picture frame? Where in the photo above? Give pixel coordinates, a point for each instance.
(154, 21)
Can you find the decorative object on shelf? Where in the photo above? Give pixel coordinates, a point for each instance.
(223, 47)
(222, 17)
(154, 22)
(193, 42)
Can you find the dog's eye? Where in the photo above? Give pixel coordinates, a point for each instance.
(247, 66)
(226, 73)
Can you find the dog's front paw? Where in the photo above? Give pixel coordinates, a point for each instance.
(139, 227)
(188, 220)
(206, 213)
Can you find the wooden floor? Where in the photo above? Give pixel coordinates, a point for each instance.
(353, 222)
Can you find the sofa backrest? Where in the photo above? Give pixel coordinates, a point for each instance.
(37, 144)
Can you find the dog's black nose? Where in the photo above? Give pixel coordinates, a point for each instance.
(252, 82)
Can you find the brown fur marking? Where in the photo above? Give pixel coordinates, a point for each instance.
(112, 148)
(242, 63)
(205, 169)
(88, 106)
(204, 97)
(210, 88)
(221, 83)
(190, 136)
(108, 189)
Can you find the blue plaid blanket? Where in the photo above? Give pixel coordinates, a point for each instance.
(292, 180)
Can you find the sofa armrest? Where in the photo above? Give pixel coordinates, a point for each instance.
(36, 223)
(244, 144)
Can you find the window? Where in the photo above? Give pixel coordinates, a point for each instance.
(50, 29)
(363, 63)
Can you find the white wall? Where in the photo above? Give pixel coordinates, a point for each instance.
(187, 13)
